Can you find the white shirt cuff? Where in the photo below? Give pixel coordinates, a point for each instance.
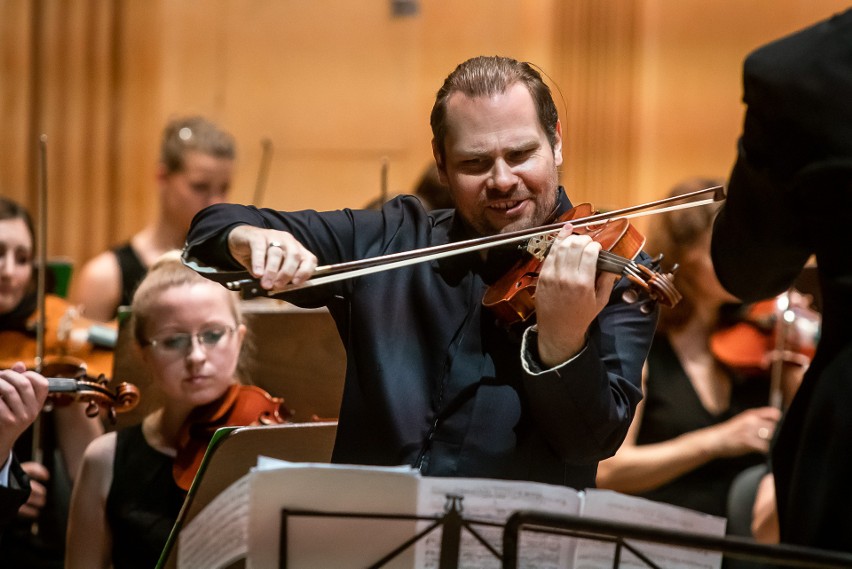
(4, 472)
(529, 354)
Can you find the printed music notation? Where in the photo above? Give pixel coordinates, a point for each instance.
(249, 511)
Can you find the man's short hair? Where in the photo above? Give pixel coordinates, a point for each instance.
(485, 76)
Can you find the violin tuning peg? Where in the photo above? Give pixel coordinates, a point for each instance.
(630, 296)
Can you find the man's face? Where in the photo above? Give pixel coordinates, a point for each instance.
(204, 181)
(498, 163)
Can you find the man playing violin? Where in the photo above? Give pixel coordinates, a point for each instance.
(433, 379)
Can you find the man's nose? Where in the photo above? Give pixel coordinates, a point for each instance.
(502, 177)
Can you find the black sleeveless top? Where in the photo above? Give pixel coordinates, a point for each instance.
(132, 271)
(143, 501)
(672, 408)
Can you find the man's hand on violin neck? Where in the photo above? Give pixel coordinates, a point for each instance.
(569, 295)
(274, 257)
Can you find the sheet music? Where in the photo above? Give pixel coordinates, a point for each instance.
(245, 521)
(609, 505)
(220, 536)
(495, 501)
(323, 542)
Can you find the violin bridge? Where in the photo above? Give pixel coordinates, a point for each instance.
(539, 246)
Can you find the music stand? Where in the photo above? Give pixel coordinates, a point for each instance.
(234, 451)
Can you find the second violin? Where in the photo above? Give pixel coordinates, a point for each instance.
(65, 334)
(241, 405)
(783, 328)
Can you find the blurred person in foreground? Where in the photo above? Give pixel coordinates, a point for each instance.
(790, 197)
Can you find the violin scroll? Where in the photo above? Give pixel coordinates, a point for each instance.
(68, 382)
(651, 286)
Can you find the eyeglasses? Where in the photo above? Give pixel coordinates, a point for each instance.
(181, 342)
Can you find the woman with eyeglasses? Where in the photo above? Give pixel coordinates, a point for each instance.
(190, 333)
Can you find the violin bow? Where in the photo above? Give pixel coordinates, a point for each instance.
(41, 283)
(326, 274)
(37, 452)
(41, 277)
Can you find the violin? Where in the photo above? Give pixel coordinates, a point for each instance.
(769, 335)
(511, 298)
(68, 381)
(783, 328)
(77, 359)
(241, 405)
(65, 334)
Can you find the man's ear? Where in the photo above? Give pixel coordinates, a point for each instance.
(439, 162)
(557, 145)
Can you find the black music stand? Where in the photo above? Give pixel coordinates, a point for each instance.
(617, 533)
(451, 524)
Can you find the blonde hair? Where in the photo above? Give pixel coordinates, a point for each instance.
(167, 272)
(184, 134)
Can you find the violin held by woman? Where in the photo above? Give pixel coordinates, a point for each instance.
(783, 328)
(775, 337)
(77, 360)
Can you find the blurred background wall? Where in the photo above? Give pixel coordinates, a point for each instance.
(648, 90)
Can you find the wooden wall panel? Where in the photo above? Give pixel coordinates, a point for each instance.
(16, 91)
(595, 73)
(688, 104)
(137, 116)
(329, 84)
(57, 81)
